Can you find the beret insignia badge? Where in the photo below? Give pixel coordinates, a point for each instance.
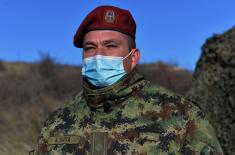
(109, 16)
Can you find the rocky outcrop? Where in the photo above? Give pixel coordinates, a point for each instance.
(213, 87)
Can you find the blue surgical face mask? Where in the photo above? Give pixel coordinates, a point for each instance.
(102, 70)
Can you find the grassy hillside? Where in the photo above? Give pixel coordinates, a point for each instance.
(30, 92)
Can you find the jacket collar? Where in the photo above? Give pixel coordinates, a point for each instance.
(118, 92)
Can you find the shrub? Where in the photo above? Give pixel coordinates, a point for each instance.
(2, 66)
(47, 67)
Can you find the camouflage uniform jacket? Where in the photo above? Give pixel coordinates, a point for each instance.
(130, 117)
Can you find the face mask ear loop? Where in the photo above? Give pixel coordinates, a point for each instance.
(128, 55)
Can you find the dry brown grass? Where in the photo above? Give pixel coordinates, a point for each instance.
(169, 76)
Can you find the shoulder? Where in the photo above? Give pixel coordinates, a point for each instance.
(63, 119)
(169, 103)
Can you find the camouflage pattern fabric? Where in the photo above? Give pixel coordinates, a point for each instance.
(130, 117)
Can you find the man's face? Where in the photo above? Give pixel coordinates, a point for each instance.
(109, 43)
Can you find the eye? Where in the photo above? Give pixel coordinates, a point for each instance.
(111, 46)
(88, 48)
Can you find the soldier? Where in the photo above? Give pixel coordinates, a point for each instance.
(119, 112)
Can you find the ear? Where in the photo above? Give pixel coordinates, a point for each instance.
(135, 57)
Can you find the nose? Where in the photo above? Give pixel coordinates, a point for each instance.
(100, 51)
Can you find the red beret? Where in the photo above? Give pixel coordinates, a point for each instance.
(106, 18)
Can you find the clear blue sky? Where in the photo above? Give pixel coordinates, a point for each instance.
(167, 30)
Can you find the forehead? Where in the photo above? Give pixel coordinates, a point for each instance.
(102, 35)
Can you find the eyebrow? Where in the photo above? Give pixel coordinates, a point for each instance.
(88, 43)
(105, 42)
